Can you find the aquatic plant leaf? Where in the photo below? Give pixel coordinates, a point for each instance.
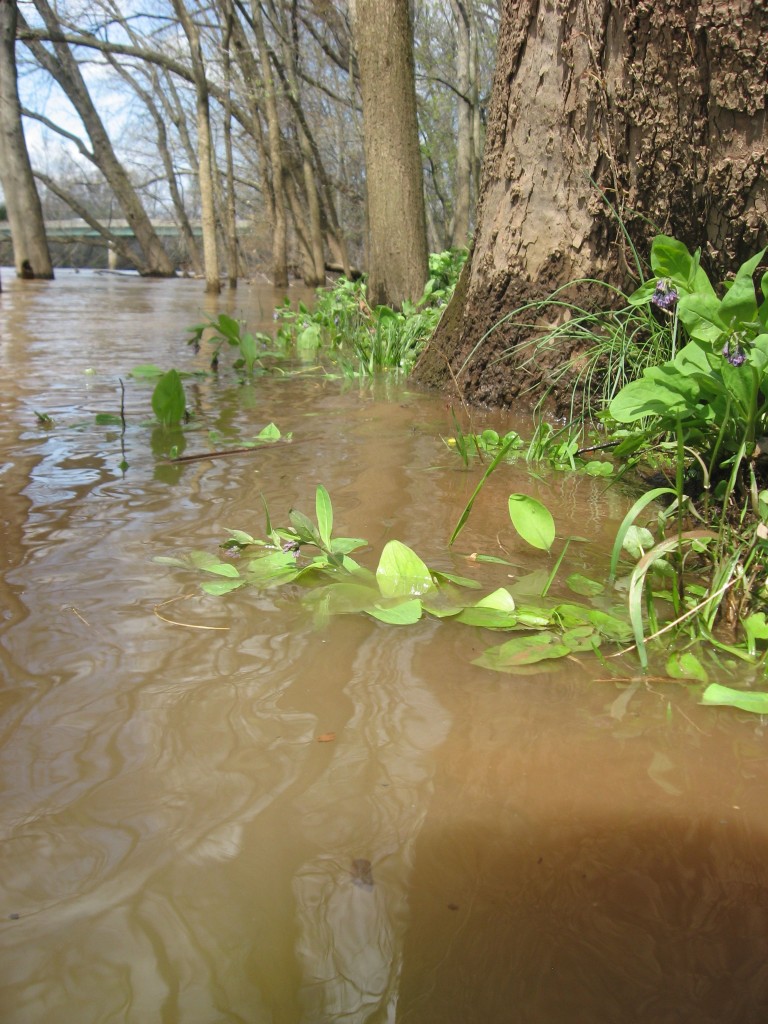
(249, 350)
(584, 585)
(629, 519)
(637, 541)
(324, 512)
(532, 520)
(269, 433)
(495, 611)
(147, 371)
(684, 665)
(168, 401)
(745, 700)
(219, 587)
(343, 545)
(222, 569)
(306, 530)
(468, 507)
(107, 419)
(401, 573)
(523, 650)
(755, 628)
(460, 581)
(403, 614)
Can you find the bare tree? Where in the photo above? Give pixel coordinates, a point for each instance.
(25, 215)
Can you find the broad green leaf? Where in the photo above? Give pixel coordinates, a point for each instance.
(249, 351)
(403, 614)
(670, 259)
(744, 700)
(648, 397)
(637, 540)
(343, 545)
(324, 512)
(755, 628)
(701, 316)
(269, 433)
(523, 650)
(684, 665)
(599, 468)
(401, 573)
(223, 569)
(459, 581)
(305, 528)
(147, 371)
(584, 585)
(168, 401)
(739, 304)
(108, 419)
(495, 611)
(228, 327)
(219, 587)
(532, 520)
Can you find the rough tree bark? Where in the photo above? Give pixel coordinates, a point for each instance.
(658, 109)
(397, 232)
(30, 245)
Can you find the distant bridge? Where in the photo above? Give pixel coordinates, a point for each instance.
(76, 228)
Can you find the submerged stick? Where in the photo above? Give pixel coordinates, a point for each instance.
(225, 451)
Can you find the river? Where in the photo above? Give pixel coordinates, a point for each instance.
(217, 810)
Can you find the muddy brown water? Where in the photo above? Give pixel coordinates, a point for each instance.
(264, 820)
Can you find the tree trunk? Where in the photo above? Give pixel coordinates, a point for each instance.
(204, 150)
(397, 232)
(464, 132)
(30, 245)
(658, 112)
(279, 219)
(62, 66)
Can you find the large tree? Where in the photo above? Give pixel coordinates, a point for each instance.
(30, 246)
(397, 231)
(609, 122)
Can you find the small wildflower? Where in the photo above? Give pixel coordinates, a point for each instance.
(734, 353)
(665, 297)
(292, 547)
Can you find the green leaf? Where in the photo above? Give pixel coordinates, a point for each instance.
(495, 611)
(401, 573)
(249, 351)
(219, 587)
(229, 327)
(222, 569)
(700, 314)
(324, 512)
(168, 402)
(305, 528)
(629, 519)
(755, 628)
(108, 419)
(269, 433)
(684, 665)
(670, 259)
(403, 614)
(637, 540)
(652, 397)
(523, 650)
(739, 304)
(745, 700)
(584, 585)
(459, 581)
(147, 371)
(532, 520)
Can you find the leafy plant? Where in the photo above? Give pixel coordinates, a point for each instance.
(362, 340)
(225, 330)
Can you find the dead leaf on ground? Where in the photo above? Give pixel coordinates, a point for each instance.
(326, 737)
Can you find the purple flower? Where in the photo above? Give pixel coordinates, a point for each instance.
(292, 547)
(734, 353)
(665, 297)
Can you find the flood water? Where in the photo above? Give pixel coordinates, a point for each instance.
(215, 810)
